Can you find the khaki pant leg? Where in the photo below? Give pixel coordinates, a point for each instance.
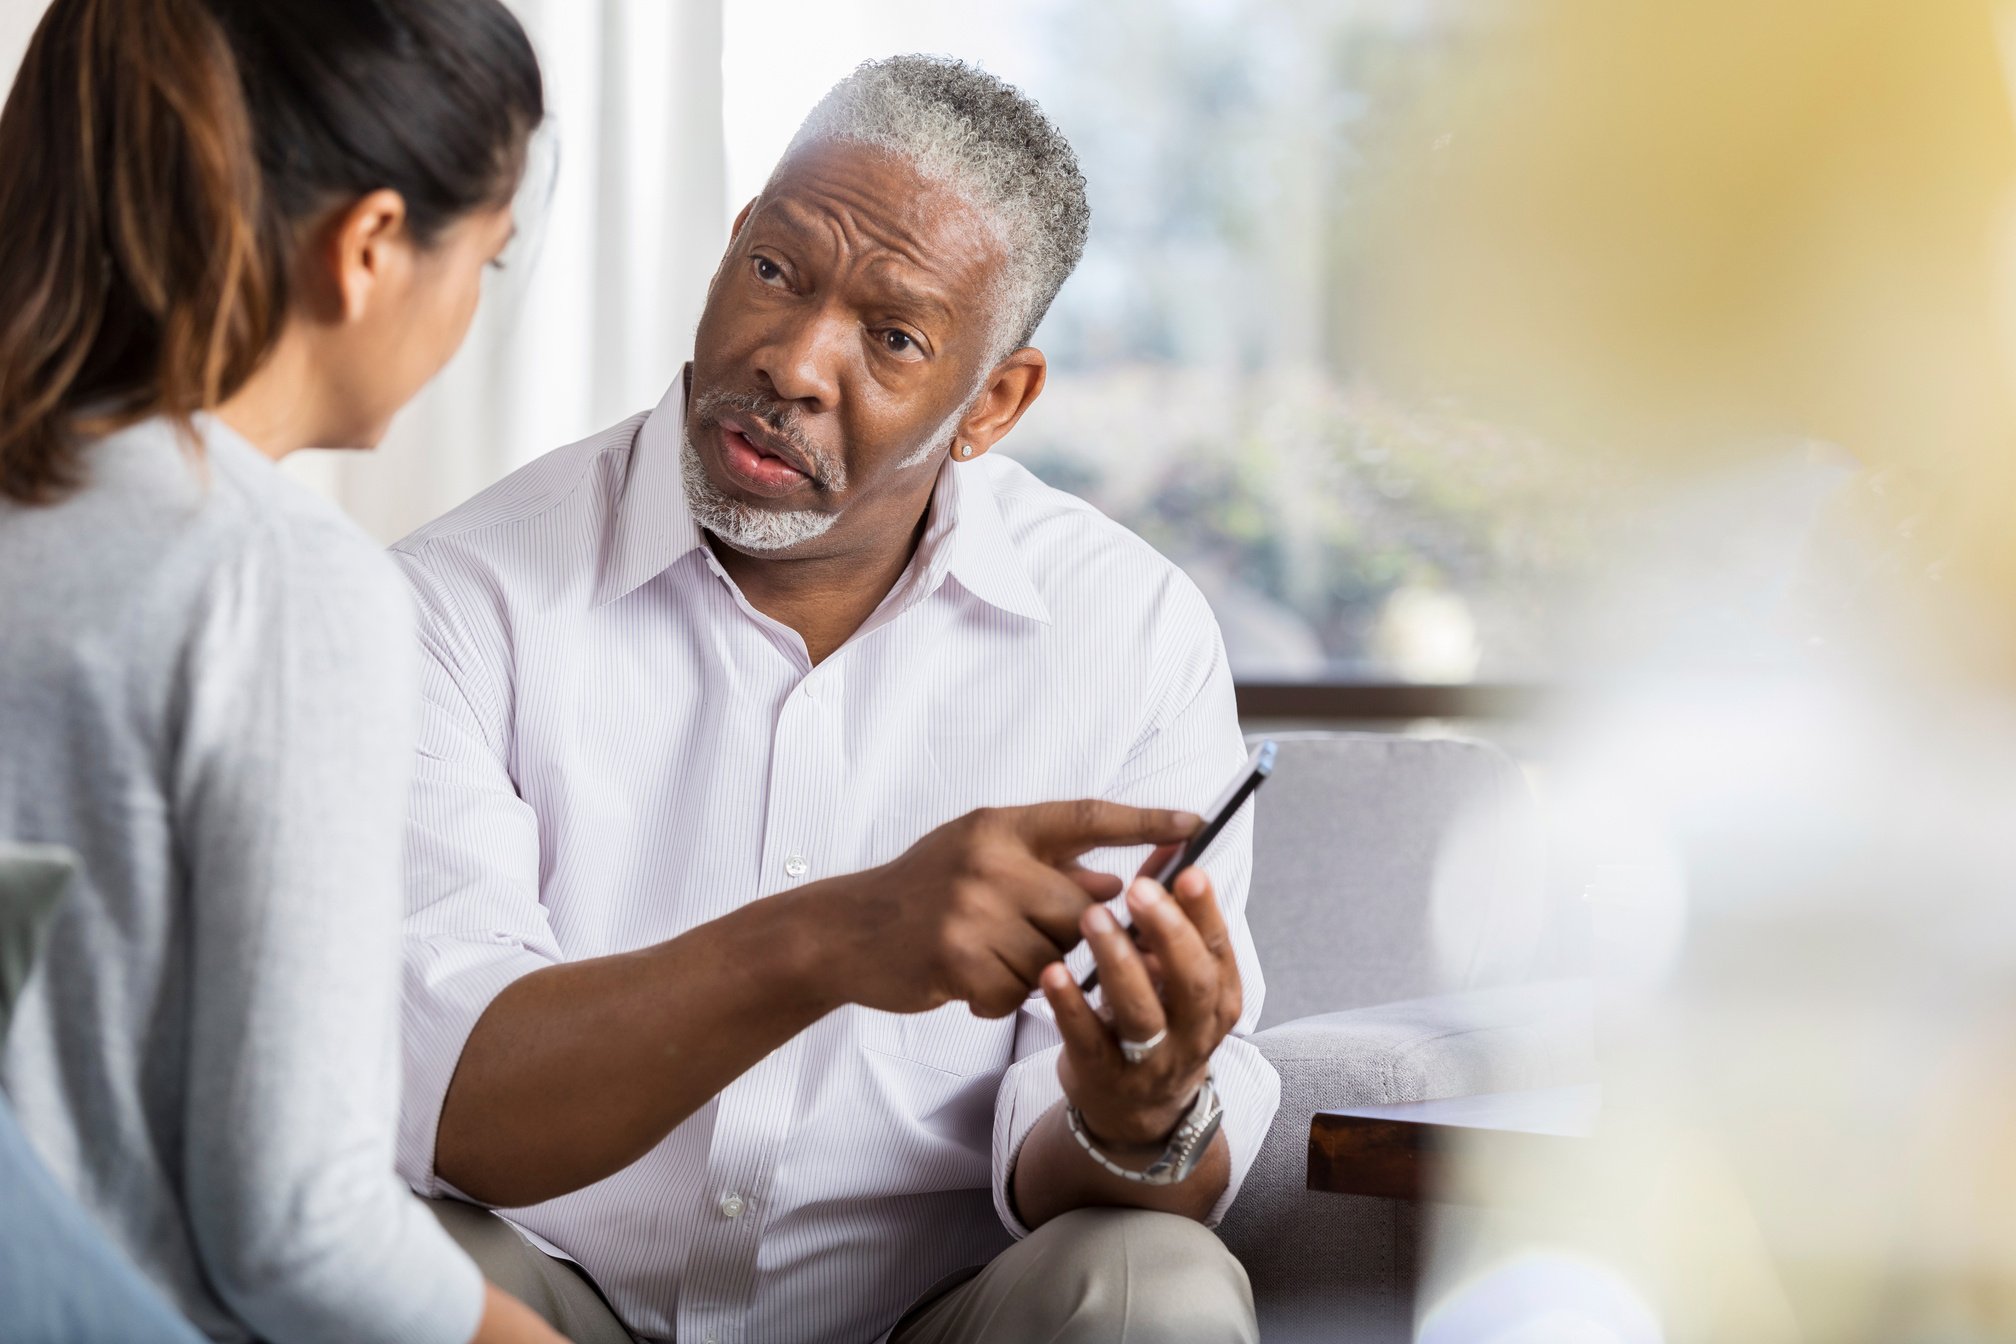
(555, 1289)
(1098, 1276)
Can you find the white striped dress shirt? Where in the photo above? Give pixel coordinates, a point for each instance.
(617, 747)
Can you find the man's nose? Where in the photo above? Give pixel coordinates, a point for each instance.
(801, 359)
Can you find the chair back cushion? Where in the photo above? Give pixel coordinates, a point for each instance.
(1389, 867)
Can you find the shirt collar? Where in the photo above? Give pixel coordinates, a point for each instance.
(965, 539)
(653, 528)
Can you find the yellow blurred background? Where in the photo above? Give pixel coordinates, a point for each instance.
(1693, 238)
(1683, 233)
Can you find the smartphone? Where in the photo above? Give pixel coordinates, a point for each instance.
(1243, 786)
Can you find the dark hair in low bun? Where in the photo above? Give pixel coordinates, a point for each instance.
(158, 157)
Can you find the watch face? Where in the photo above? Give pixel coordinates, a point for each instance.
(1193, 1151)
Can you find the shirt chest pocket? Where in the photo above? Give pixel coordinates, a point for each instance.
(950, 1039)
(945, 780)
(962, 764)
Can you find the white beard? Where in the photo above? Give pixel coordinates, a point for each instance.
(941, 435)
(744, 526)
(749, 528)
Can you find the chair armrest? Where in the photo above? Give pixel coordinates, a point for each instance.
(1504, 1039)
(1326, 1266)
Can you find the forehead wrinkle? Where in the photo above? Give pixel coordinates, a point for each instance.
(886, 276)
(859, 221)
(849, 221)
(815, 165)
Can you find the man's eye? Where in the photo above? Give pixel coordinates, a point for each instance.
(768, 270)
(898, 342)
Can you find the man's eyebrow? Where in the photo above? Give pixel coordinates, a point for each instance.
(909, 297)
(889, 285)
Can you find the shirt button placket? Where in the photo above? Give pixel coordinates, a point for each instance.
(754, 1112)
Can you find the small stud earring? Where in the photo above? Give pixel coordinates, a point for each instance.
(965, 450)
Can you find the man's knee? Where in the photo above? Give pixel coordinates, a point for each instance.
(1139, 1275)
(505, 1258)
(559, 1292)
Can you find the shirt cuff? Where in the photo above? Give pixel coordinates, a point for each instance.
(1248, 1089)
(449, 984)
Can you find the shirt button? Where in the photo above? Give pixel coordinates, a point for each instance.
(795, 865)
(731, 1205)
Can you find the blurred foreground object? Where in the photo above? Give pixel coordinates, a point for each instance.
(1690, 237)
(1679, 232)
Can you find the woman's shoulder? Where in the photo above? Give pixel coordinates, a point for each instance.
(174, 574)
(164, 523)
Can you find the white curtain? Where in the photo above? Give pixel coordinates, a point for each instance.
(594, 314)
(17, 23)
(621, 224)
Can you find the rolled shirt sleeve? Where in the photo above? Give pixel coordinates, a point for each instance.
(288, 793)
(1189, 749)
(474, 922)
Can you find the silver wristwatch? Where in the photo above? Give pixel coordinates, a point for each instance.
(1193, 1135)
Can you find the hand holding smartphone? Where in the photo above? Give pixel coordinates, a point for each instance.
(1259, 766)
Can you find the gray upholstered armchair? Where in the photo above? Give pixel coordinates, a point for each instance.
(1412, 952)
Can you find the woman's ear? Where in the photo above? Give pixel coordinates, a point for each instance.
(367, 248)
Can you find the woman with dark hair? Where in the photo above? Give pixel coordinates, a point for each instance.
(232, 228)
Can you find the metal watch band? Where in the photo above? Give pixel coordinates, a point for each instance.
(1186, 1145)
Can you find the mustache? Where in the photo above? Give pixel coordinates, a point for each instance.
(780, 418)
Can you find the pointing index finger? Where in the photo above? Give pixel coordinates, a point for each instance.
(1066, 830)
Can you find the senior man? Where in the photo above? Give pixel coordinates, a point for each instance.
(732, 882)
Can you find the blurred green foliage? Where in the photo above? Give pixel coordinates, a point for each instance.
(1207, 387)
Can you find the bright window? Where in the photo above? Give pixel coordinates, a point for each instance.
(1205, 386)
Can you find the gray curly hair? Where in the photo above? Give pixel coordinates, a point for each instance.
(993, 146)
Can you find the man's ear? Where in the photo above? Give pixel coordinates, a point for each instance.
(1011, 389)
(741, 218)
(363, 247)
